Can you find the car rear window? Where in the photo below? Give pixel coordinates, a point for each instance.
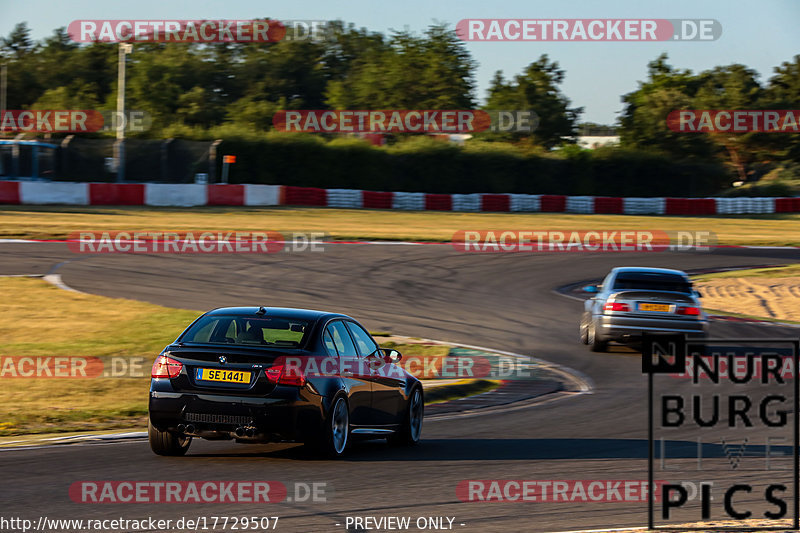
(247, 331)
(654, 281)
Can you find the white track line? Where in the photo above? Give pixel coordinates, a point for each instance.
(392, 243)
(55, 279)
(583, 381)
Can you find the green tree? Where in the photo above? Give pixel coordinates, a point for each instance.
(432, 71)
(732, 87)
(344, 45)
(17, 52)
(170, 82)
(783, 92)
(95, 68)
(643, 123)
(644, 120)
(537, 90)
(18, 43)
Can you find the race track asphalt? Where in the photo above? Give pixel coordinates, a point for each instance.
(502, 301)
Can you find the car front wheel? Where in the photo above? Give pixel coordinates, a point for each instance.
(411, 429)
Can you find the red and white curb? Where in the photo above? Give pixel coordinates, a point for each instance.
(191, 195)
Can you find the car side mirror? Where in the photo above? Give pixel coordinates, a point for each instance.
(697, 293)
(391, 356)
(591, 288)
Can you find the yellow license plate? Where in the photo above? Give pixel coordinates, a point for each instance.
(225, 376)
(664, 308)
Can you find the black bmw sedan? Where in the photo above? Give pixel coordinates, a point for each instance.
(267, 374)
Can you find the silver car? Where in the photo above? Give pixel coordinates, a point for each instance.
(635, 300)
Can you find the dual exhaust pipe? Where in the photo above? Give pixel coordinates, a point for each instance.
(245, 432)
(186, 428)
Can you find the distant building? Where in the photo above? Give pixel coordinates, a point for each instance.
(590, 142)
(455, 138)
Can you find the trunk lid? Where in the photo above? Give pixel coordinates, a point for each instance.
(655, 303)
(229, 370)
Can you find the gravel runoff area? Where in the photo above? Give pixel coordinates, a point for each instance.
(776, 298)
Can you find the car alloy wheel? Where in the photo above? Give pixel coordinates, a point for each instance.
(415, 416)
(340, 426)
(584, 331)
(594, 344)
(166, 443)
(408, 434)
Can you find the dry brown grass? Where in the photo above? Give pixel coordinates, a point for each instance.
(40, 320)
(58, 222)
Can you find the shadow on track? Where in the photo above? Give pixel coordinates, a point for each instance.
(506, 450)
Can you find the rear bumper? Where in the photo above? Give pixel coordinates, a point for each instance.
(616, 328)
(297, 416)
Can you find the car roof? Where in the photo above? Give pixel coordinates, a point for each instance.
(282, 312)
(650, 269)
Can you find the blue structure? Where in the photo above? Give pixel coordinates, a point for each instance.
(35, 146)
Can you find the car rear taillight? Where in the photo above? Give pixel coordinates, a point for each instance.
(166, 367)
(286, 375)
(693, 311)
(616, 306)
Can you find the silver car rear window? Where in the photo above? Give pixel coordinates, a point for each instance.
(652, 281)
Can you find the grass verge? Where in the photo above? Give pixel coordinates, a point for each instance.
(57, 222)
(38, 320)
(768, 272)
(465, 387)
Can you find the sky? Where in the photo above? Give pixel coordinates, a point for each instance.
(760, 35)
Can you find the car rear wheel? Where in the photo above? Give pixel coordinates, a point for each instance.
(166, 443)
(336, 432)
(595, 344)
(584, 329)
(411, 429)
